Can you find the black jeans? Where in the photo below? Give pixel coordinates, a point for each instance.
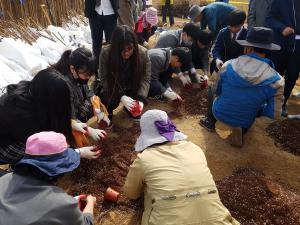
(158, 87)
(288, 65)
(210, 100)
(170, 9)
(98, 24)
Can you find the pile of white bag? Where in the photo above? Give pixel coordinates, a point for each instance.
(21, 61)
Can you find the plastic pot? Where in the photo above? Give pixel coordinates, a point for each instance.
(136, 110)
(111, 195)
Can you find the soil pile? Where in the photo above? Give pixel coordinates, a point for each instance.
(286, 134)
(195, 101)
(254, 199)
(110, 170)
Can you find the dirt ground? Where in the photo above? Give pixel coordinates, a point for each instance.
(259, 152)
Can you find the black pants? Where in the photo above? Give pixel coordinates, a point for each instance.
(210, 101)
(99, 24)
(168, 8)
(197, 56)
(288, 65)
(158, 87)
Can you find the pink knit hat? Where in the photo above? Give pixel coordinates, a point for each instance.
(46, 143)
(151, 16)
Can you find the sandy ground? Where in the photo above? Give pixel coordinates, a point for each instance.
(259, 151)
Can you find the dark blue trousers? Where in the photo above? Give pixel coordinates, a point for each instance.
(288, 65)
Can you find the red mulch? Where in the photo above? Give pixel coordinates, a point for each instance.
(254, 199)
(195, 101)
(110, 170)
(286, 134)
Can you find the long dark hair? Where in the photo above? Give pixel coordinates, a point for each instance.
(81, 58)
(49, 94)
(52, 102)
(122, 37)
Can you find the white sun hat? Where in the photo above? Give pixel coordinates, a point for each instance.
(156, 128)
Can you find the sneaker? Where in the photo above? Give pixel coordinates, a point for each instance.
(236, 137)
(206, 123)
(284, 111)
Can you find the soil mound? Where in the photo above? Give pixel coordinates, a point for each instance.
(286, 134)
(110, 170)
(195, 101)
(254, 199)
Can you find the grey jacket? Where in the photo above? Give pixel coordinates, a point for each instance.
(169, 39)
(25, 200)
(103, 72)
(160, 61)
(258, 11)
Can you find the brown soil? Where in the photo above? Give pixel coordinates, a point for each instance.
(253, 198)
(110, 170)
(195, 101)
(258, 151)
(286, 134)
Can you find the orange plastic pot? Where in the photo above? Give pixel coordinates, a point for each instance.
(111, 195)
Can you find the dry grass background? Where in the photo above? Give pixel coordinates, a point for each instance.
(38, 14)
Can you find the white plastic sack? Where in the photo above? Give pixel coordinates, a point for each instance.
(20, 53)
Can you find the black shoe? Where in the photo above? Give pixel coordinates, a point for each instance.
(207, 124)
(284, 111)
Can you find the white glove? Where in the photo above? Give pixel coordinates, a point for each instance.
(219, 63)
(80, 127)
(88, 152)
(141, 105)
(101, 116)
(185, 79)
(127, 102)
(96, 134)
(171, 95)
(146, 44)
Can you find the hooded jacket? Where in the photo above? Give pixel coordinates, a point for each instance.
(26, 200)
(247, 86)
(178, 188)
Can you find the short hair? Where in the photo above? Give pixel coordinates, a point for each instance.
(190, 29)
(236, 17)
(204, 36)
(267, 52)
(184, 56)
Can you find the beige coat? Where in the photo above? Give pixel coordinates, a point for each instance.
(178, 187)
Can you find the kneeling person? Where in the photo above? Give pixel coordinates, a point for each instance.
(165, 62)
(173, 174)
(248, 86)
